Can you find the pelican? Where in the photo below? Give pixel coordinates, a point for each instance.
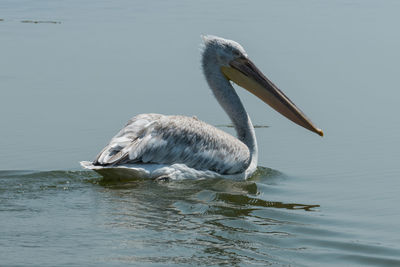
(179, 147)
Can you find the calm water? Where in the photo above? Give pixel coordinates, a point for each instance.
(69, 81)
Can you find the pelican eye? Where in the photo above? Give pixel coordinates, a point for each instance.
(236, 53)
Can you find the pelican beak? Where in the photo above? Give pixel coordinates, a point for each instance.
(245, 74)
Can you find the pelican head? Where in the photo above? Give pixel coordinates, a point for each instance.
(231, 60)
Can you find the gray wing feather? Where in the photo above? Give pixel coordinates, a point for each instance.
(155, 138)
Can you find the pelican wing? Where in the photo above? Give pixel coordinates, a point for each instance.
(160, 139)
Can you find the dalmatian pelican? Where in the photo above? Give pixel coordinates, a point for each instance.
(180, 147)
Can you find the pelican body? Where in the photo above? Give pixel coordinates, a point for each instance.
(179, 147)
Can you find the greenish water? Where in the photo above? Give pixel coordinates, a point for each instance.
(76, 218)
(73, 72)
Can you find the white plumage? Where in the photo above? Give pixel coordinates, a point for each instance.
(160, 139)
(179, 147)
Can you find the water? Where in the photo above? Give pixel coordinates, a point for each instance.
(72, 79)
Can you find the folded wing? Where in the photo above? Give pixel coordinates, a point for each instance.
(160, 139)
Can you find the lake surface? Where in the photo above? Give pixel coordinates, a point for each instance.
(73, 72)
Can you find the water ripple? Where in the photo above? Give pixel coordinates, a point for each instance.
(207, 222)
